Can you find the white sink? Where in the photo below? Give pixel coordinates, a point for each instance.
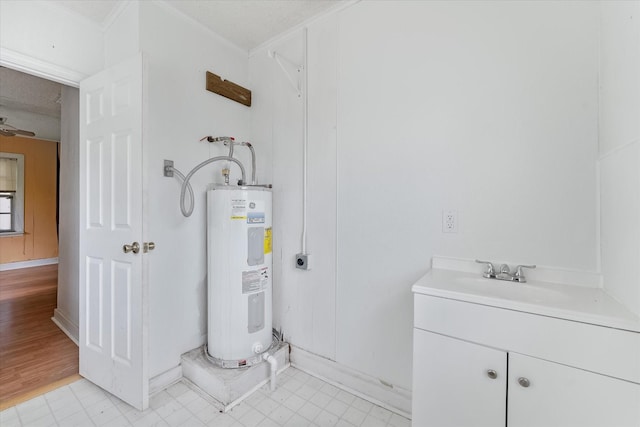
(577, 303)
(510, 290)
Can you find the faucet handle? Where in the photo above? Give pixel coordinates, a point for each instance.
(519, 275)
(490, 271)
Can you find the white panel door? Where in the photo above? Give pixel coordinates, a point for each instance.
(561, 396)
(456, 383)
(113, 337)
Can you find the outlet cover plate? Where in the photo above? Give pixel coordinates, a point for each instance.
(168, 168)
(302, 262)
(450, 221)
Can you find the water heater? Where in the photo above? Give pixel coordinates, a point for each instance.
(239, 274)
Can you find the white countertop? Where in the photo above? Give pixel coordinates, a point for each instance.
(576, 303)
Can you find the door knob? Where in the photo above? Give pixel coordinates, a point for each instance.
(148, 246)
(134, 247)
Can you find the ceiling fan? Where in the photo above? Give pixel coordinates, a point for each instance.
(8, 130)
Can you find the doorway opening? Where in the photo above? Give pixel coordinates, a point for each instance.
(38, 260)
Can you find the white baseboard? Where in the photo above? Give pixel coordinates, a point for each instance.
(165, 379)
(66, 325)
(393, 398)
(28, 264)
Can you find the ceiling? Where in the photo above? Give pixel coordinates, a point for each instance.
(24, 92)
(245, 23)
(97, 10)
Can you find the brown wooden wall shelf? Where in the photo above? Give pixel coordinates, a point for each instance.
(228, 89)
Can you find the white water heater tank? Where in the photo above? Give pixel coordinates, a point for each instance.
(239, 273)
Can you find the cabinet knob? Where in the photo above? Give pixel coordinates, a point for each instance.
(524, 382)
(492, 374)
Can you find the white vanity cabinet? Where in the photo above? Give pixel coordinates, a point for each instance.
(458, 384)
(476, 364)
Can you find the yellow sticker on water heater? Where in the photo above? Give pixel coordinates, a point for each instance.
(267, 240)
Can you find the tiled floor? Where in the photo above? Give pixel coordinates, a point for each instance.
(300, 400)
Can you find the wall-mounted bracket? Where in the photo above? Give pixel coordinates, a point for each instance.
(168, 168)
(299, 68)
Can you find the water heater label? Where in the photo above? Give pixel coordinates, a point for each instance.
(255, 280)
(238, 209)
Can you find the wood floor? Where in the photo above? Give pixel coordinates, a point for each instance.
(34, 352)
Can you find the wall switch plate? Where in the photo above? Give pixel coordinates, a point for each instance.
(302, 262)
(450, 221)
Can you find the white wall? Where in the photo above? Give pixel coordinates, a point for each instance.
(619, 135)
(49, 40)
(68, 256)
(489, 108)
(122, 37)
(304, 301)
(181, 112)
(478, 107)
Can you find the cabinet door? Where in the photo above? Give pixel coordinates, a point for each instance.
(451, 384)
(558, 395)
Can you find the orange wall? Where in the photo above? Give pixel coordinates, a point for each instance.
(40, 238)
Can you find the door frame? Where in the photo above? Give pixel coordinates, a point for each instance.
(39, 68)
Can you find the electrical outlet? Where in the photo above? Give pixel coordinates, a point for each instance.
(168, 168)
(450, 221)
(302, 261)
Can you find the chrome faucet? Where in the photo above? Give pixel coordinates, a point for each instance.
(504, 272)
(489, 272)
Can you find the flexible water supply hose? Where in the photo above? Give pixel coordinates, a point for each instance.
(187, 212)
(253, 157)
(230, 148)
(182, 177)
(253, 162)
(231, 141)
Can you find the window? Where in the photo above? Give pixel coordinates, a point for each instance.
(11, 193)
